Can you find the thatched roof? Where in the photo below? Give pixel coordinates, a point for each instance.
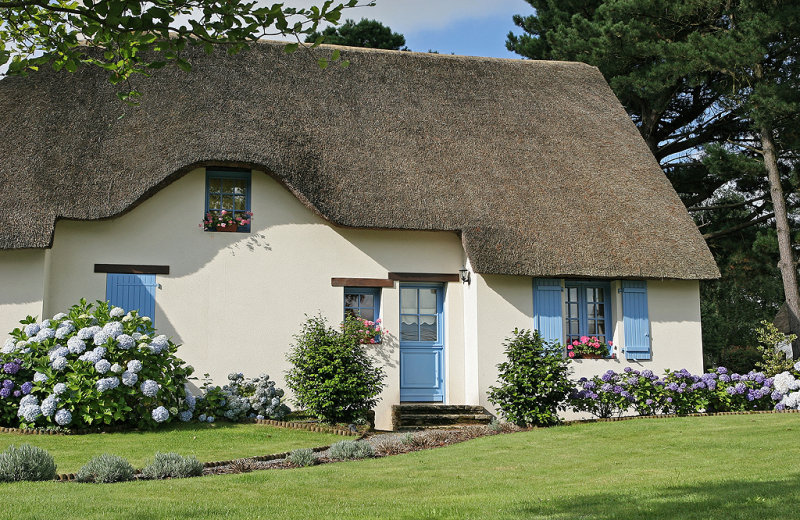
(536, 164)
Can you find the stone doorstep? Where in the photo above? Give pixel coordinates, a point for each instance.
(427, 415)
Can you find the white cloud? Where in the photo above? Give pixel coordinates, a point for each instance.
(409, 16)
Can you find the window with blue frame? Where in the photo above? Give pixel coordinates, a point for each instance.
(228, 190)
(587, 310)
(362, 302)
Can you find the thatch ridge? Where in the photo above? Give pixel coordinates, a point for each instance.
(536, 164)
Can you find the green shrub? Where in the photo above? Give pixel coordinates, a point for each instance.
(26, 462)
(333, 376)
(302, 457)
(172, 465)
(533, 381)
(350, 450)
(773, 360)
(105, 468)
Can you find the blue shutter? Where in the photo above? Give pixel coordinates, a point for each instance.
(635, 320)
(133, 292)
(547, 309)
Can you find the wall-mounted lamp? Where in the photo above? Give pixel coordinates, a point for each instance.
(464, 272)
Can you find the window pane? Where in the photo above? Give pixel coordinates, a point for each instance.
(592, 328)
(592, 311)
(573, 327)
(409, 328)
(427, 301)
(227, 202)
(240, 203)
(366, 300)
(600, 294)
(367, 314)
(351, 300)
(428, 329)
(572, 310)
(601, 327)
(213, 185)
(408, 301)
(240, 186)
(572, 294)
(213, 202)
(589, 294)
(227, 185)
(601, 311)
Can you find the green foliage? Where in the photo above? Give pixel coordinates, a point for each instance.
(533, 381)
(366, 33)
(92, 393)
(302, 457)
(773, 360)
(172, 465)
(105, 468)
(351, 450)
(128, 38)
(26, 462)
(333, 375)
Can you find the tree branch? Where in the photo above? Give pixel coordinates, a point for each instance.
(739, 227)
(727, 206)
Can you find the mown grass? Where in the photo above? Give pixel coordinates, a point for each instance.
(730, 467)
(207, 442)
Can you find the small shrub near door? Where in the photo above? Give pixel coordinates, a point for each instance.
(533, 382)
(333, 375)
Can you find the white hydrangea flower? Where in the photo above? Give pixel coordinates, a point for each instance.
(791, 401)
(113, 328)
(136, 336)
(30, 412)
(63, 417)
(117, 368)
(58, 351)
(146, 319)
(38, 377)
(134, 365)
(125, 342)
(116, 312)
(107, 383)
(129, 378)
(101, 337)
(31, 329)
(85, 333)
(59, 363)
(64, 331)
(28, 399)
(128, 317)
(783, 382)
(149, 388)
(102, 366)
(45, 324)
(59, 388)
(9, 346)
(76, 345)
(160, 414)
(49, 405)
(59, 316)
(44, 335)
(797, 366)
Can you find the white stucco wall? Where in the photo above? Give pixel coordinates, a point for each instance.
(235, 300)
(21, 286)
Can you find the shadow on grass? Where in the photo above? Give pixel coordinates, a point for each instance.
(734, 499)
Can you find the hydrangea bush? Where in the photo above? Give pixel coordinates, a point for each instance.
(94, 365)
(682, 393)
(241, 399)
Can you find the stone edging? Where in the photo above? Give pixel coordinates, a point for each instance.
(672, 416)
(308, 426)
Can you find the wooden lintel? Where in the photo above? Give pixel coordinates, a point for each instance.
(361, 282)
(424, 277)
(131, 269)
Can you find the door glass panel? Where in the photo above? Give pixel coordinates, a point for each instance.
(427, 301)
(592, 327)
(428, 329)
(408, 301)
(366, 300)
(592, 311)
(409, 328)
(601, 311)
(600, 296)
(572, 310)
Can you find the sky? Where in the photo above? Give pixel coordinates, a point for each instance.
(467, 27)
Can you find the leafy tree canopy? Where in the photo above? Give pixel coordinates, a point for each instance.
(127, 37)
(366, 33)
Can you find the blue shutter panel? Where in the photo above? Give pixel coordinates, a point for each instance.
(547, 309)
(635, 320)
(133, 292)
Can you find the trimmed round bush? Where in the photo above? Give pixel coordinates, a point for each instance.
(172, 465)
(302, 457)
(351, 450)
(106, 468)
(26, 462)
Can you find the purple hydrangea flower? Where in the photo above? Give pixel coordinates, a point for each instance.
(11, 367)
(673, 387)
(725, 378)
(5, 392)
(7, 383)
(741, 388)
(26, 387)
(607, 387)
(722, 370)
(627, 370)
(776, 396)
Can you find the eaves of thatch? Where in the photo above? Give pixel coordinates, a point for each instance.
(536, 164)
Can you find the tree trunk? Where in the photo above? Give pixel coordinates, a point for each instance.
(786, 263)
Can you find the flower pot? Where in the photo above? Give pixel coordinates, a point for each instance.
(591, 356)
(230, 228)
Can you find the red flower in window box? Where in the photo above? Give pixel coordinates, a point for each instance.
(589, 348)
(226, 220)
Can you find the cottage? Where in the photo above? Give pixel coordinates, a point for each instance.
(372, 187)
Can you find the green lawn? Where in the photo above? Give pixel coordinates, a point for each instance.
(730, 467)
(207, 442)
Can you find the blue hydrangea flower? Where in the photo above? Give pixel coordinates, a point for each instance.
(129, 378)
(28, 399)
(101, 337)
(76, 345)
(86, 333)
(210, 418)
(38, 377)
(149, 388)
(58, 352)
(185, 416)
(30, 412)
(202, 417)
(9, 346)
(64, 330)
(59, 316)
(102, 366)
(276, 401)
(59, 363)
(117, 368)
(160, 414)
(49, 405)
(107, 383)
(260, 417)
(59, 388)
(191, 401)
(12, 367)
(134, 365)
(44, 335)
(113, 328)
(125, 342)
(26, 387)
(117, 312)
(31, 329)
(63, 417)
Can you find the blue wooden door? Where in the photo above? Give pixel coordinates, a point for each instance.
(133, 292)
(421, 343)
